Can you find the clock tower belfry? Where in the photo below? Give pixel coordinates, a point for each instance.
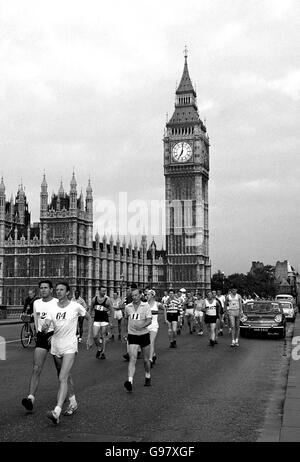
(186, 170)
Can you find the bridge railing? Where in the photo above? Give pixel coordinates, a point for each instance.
(10, 312)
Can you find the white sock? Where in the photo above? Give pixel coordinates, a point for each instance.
(57, 410)
(147, 375)
(72, 400)
(130, 379)
(31, 397)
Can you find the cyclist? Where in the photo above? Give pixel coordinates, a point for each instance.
(28, 304)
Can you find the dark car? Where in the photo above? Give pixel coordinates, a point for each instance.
(263, 316)
(289, 310)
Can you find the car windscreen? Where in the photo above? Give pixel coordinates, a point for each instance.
(257, 307)
(286, 305)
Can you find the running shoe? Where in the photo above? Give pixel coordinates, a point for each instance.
(71, 409)
(128, 386)
(201, 332)
(232, 344)
(174, 344)
(52, 416)
(147, 382)
(237, 343)
(102, 356)
(126, 356)
(211, 343)
(27, 403)
(98, 353)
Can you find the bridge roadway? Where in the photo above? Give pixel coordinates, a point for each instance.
(198, 393)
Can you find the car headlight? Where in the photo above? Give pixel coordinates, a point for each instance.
(278, 318)
(244, 318)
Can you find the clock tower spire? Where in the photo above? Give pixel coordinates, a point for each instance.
(186, 170)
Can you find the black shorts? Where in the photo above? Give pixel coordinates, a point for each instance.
(210, 319)
(171, 317)
(42, 340)
(141, 340)
(101, 316)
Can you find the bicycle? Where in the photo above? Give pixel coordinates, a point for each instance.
(27, 332)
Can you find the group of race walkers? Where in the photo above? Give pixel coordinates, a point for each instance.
(59, 326)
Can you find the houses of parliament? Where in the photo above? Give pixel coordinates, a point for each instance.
(62, 244)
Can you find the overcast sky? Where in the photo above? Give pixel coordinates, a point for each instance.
(87, 85)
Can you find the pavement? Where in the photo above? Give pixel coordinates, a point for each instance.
(290, 428)
(6, 322)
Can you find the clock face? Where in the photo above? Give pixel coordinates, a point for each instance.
(182, 152)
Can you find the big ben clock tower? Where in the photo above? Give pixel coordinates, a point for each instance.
(186, 170)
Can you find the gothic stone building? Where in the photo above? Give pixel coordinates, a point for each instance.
(186, 170)
(61, 247)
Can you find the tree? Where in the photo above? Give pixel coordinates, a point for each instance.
(260, 281)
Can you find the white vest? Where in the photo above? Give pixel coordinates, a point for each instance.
(211, 308)
(234, 303)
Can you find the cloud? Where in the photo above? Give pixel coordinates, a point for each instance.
(88, 86)
(288, 85)
(278, 10)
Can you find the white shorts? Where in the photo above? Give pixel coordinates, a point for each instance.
(118, 315)
(100, 324)
(189, 311)
(61, 350)
(199, 314)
